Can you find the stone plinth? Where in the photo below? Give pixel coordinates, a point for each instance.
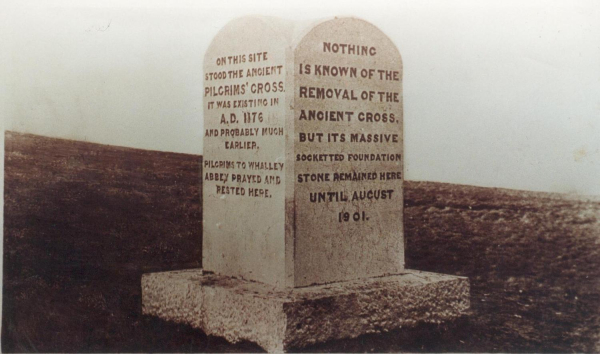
(278, 319)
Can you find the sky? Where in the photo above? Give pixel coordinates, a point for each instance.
(496, 93)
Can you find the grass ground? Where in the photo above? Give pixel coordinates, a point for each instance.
(533, 260)
(84, 221)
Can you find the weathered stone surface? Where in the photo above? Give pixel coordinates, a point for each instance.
(244, 151)
(356, 233)
(277, 319)
(303, 148)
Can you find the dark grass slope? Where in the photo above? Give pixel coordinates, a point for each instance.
(533, 260)
(84, 221)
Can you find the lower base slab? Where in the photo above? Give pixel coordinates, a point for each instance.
(278, 319)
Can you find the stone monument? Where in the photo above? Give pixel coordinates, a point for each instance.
(302, 192)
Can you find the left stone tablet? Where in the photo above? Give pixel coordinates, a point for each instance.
(245, 82)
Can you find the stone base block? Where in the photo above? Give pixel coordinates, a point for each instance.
(278, 319)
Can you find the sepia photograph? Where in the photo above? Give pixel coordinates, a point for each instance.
(300, 176)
